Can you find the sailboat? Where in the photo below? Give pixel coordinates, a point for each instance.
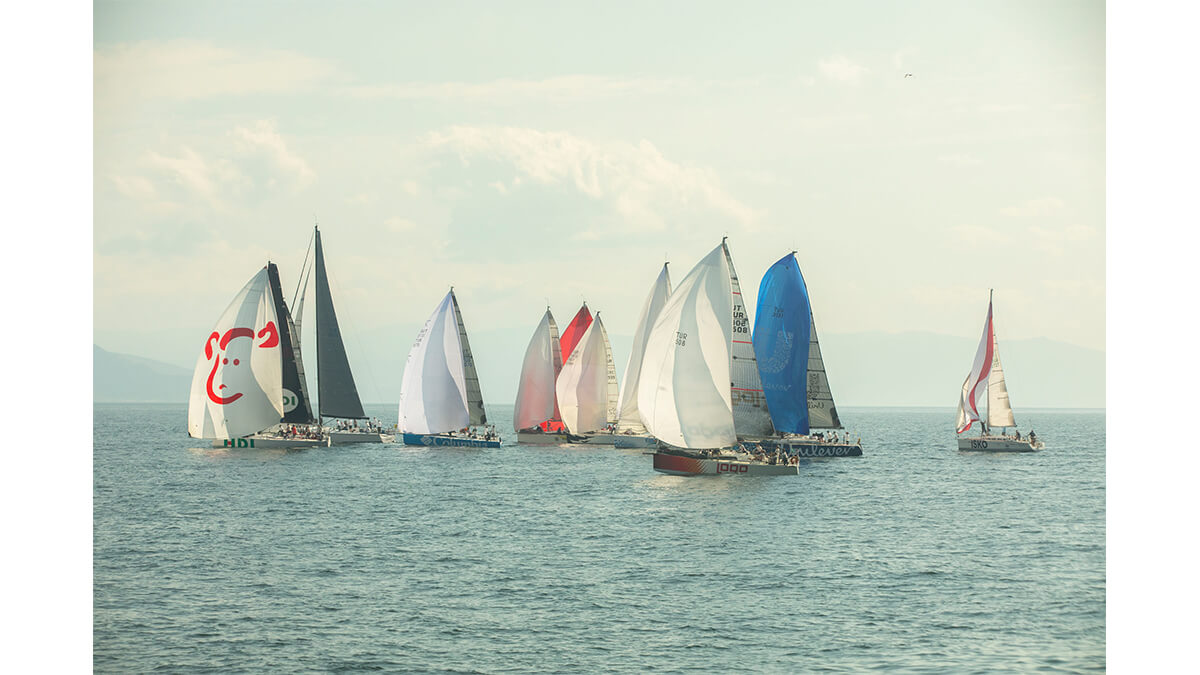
(987, 380)
(246, 377)
(536, 418)
(337, 396)
(699, 389)
(586, 388)
(631, 433)
(440, 400)
(791, 368)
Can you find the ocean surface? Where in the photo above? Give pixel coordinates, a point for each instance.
(913, 558)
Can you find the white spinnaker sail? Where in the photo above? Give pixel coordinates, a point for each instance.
(237, 386)
(999, 410)
(535, 391)
(612, 409)
(630, 417)
(976, 382)
(750, 414)
(433, 393)
(683, 390)
(582, 387)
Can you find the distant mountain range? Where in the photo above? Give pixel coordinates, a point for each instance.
(865, 369)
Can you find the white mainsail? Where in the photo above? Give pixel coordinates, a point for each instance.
(535, 391)
(683, 389)
(582, 388)
(474, 393)
(750, 414)
(999, 411)
(237, 386)
(433, 393)
(630, 417)
(821, 412)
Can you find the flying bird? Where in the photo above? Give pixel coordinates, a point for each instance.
(908, 74)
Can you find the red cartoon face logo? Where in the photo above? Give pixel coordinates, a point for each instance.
(222, 358)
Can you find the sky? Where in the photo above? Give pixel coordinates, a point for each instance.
(529, 153)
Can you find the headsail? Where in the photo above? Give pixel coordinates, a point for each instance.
(433, 393)
(338, 397)
(976, 382)
(296, 406)
(574, 331)
(750, 413)
(612, 408)
(683, 390)
(629, 416)
(782, 324)
(237, 386)
(822, 414)
(582, 386)
(536, 405)
(474, 393)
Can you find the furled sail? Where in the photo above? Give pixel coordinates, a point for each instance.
(574, 331)
(536, 405)
(976, 382)
(999, 410)
(684, 390)
(782, 323)
(582, 386)
(338, 397)
(237, 386)
(750, 413)
(433, 393)
(629, 416)
(474, 393)
(822, 414)
(296, 406)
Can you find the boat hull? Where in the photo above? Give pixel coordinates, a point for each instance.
(632, 441)
(270, 442)
(351, 437)
(998, 444)
(443, 440)
(677, 465)
(813, 448)
(593, 439)
(529, 438)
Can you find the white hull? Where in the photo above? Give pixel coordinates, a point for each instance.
(351, 437)
(998, 444)
(677, 465)
(257, 441)
(634, 441)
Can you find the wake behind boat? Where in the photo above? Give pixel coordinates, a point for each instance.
(986, 379)
(440, 400)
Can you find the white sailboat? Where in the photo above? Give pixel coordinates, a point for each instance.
(631, 433)
(693, 394)
(586, 388)
(337, 395)
(986, 381)
(440, 399)
(238, 385)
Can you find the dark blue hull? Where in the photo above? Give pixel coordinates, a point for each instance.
(443, 440)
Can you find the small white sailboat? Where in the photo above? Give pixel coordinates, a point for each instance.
(239, 383)
(337, 395)
(631, 433)
(986, 381)
(535, 414)
(699, 386)
(441, 403)
(792, 370)
(586, 389)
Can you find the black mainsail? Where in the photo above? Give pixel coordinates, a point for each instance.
(338, 397)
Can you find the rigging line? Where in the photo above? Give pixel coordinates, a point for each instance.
(305, 268)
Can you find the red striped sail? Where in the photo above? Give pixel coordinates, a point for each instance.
(968, 412)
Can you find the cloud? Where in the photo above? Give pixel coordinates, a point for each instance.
(644, 188)
(276, 166)
(1034, 208)
(556, 89)
(841, 69)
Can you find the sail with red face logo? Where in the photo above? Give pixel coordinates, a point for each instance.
(237, 387)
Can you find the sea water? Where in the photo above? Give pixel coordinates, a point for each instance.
(915, 557)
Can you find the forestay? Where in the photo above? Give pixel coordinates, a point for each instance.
(630, 418)
(433, 393)
(582, 386)
(237, 386)
(536, 403)
(683, 390)
(782, 324)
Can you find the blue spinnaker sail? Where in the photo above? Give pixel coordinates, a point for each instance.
(782, 326)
